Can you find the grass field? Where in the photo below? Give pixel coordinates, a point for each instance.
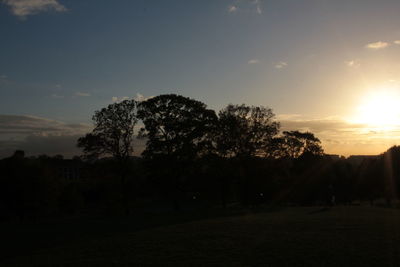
(342, 236)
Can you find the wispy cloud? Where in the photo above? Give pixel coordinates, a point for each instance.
(281, 65)
(3, 77)
(137, 97)
(250, 6)
(24, 8)
(377, 45)
(352, 63)
(341, 137)
(397, 42)
(257, 4)
(140, 97)
(57, 96)
(82, 94)
(116, 99)
(26, 124)
(253, 61)
(232, 9)
(38, 135)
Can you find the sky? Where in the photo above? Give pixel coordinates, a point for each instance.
(329, 67)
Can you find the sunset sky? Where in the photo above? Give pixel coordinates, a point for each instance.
(329, 67)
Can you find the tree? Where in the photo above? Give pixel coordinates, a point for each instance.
(176, 126)
(113, 131)
(178, 130)
(293, 144)
(113, 135)
(245, 131)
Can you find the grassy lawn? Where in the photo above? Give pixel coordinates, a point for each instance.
(342, 236)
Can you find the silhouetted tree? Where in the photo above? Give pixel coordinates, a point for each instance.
(176, 126)
(245, 131)
(293, 144)
(113, 131)
(177, 129)
(113, 134)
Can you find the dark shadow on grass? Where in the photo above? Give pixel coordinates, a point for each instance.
(28, 237)
(325, 209)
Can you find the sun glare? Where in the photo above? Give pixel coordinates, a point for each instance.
(379, 108)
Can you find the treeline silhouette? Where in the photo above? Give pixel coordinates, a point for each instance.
(194, 159)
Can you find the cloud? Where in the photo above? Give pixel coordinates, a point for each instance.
(253, 61)
(257, 3)
(352, 63)
(339, 136)
(249, 6)
(377, 45)
(116, 99)
(24, 8)
(138, 97)
(57, 96)
(38, 135)
(3, 77)
(232, 9)
(82, 94)
(397, 42)
(281, 65)
(26, 124)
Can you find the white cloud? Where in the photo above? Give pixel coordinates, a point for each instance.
(23, 8)
(257, 3)
(116, 99)
(377, 45)
(281, 65)
(253, 61)
(82, 94)
(57, 96)
(232, 9)
(352, 63)
(397, 42)
(140, 97)
(249, 6)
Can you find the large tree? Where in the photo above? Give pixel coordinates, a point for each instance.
(176, 126)
(113, 131)
(178, 130)
(113, 134)
(245, 131)
(293, 144)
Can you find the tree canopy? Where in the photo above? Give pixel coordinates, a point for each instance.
(113, 131)
(293, 144)
(176, 126)
(245, 130)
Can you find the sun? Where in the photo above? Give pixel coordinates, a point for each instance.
(379, 108)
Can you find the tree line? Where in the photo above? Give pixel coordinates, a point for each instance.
(182, 128)
(194, 158)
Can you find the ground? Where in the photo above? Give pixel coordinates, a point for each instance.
(311, 236)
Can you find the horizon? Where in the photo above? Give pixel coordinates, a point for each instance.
(325, 67)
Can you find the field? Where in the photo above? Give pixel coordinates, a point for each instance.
(312, 236)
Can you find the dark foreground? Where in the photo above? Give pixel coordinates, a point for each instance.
(342, 236)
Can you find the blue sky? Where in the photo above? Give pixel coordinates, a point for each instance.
(309, 60)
